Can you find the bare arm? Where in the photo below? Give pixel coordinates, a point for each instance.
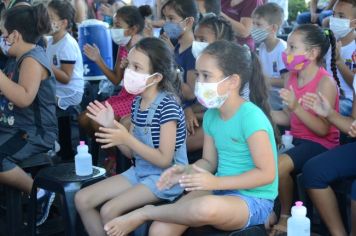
(242, 27)
(345, 71)
(343, 122)
(317, 124)
(210, 155)
(279, 82)
(80, 9)
(64, 74)
(24, 92)
(263, 158)
(281, 117)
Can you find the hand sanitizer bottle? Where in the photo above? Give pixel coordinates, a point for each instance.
(298, 224)
(287, 140)
(83, 160)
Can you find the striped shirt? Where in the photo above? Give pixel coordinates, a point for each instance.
(168, 110)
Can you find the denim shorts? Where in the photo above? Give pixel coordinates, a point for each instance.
(150, 182)
(259, 208)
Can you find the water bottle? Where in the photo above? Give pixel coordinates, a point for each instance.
(83, 160)
(287, 142)
(298, 224)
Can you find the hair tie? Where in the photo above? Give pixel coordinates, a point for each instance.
(326, 32)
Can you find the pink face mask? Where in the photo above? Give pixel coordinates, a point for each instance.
(295, 63)
(135, 83)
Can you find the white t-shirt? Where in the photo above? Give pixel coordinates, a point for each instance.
(67, 51)
(272, 63)
(284, 5)
(345, 53)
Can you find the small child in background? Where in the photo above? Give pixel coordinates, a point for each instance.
(267, 19)
(129, 23)
(180, 17)
(209, 29)
(343, 24)
(65, 56)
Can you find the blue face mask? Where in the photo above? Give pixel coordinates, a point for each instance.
(173, 30)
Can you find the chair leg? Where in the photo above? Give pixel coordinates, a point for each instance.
(14, 222)
(69, 211)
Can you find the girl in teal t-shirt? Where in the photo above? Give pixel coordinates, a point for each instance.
(239, 147)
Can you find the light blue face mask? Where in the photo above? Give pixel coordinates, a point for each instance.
(5, 47)
(173, 30)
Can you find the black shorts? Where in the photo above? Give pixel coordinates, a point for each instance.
(303, 151)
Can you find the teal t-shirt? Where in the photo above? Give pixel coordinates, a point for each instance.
(230, 138)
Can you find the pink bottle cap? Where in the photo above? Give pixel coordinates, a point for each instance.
(81, 143)
(299, 203)
(287, 132)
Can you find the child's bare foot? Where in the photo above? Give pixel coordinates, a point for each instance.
(281, 227)
(123, 225)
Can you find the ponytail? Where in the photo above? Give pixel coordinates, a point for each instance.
(333, 67)
(145, 11)
(259, 92)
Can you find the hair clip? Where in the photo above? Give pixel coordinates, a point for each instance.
(326, 32)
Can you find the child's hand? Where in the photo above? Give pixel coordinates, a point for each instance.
(200, 180)
(124, 63)
(92, 52)
(165, 38)
(318, 103)
(191, 120)
(103, 115)
(106, 10)
(171, 176)
(352, 131)
(112, 136)
(148, 30)
(288, 98)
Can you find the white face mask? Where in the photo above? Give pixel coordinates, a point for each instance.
(55, 27)
(207, 94)
(340, 27)
(118, 36)
(5, 46)
(135, 83)
(198, 47)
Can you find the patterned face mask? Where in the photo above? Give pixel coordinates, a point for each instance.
(295, 63)
(259, 34)
(207, 94)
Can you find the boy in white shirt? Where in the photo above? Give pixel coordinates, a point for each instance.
(266, 22)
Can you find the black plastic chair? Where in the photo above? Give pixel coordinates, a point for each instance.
(256, 230)
(63, 180)
(14, 216)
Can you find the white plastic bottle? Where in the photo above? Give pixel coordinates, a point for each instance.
(287, 141)
(83, 160)
(298, 224)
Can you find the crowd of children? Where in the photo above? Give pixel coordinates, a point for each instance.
(215, 78)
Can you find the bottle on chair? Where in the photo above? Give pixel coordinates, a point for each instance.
(83, 160)
(298, 224)
(287, 142)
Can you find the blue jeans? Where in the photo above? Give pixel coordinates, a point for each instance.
(305, 17)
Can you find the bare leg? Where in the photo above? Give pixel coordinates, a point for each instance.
(218, 211)
(17, 178)
(132, 198)
(353, 218)
(87, 199)
(325, 202)
(171, 229)
(285, 191)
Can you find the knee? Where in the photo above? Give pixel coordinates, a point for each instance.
(314, 175)
(81, 201)
(285, 166)
(160, 228)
